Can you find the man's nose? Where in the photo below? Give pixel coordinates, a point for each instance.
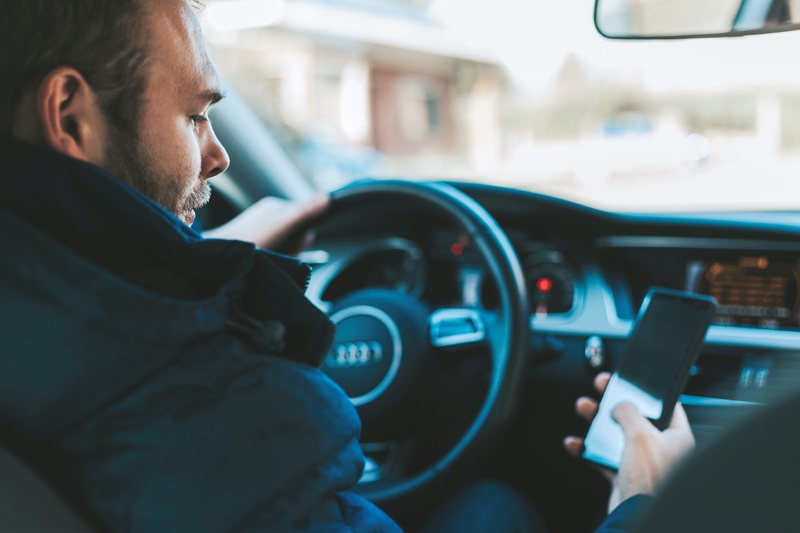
(215, 157)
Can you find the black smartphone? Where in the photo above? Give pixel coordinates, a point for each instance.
(653, 369)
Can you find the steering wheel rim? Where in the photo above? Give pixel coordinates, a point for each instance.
(507, 352)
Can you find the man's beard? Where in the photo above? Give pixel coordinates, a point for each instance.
(128, 160)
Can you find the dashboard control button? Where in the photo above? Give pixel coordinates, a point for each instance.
(595, 352)
(761, 378)
(746, 378)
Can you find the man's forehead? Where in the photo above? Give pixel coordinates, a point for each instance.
(177, 45)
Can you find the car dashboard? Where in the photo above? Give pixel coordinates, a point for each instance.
(586, 272)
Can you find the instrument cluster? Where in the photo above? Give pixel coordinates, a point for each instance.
(550, 278)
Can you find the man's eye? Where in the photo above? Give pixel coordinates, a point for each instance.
(198, 119)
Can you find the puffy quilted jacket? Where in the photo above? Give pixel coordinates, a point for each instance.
(159, 381)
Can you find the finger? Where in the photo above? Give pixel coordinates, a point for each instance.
(630, 419)
(573, 445)
(322, 202)
(679, 418)
(293, 235)
(295, 243)
(308, 240)
(315, 207)
(586, 408)
(601, 381)
(288, 213)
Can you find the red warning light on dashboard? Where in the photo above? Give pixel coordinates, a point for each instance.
(544, 285)
(457, 248)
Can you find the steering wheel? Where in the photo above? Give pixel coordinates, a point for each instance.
(387, 344)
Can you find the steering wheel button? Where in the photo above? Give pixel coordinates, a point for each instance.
(452, 327)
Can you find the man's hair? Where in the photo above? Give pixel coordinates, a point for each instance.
(104, 40)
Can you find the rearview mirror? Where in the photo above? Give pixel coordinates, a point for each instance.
(681, 19)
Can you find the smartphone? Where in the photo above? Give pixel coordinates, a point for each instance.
(652, 371)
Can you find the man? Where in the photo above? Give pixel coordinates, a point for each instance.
(157, 380)
(146, 373)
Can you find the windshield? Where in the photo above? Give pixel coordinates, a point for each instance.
(518, 93)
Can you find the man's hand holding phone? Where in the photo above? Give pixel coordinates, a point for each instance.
(649, 454)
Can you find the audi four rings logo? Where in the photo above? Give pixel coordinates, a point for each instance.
(354, 354)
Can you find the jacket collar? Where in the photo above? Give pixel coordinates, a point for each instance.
(106, 222)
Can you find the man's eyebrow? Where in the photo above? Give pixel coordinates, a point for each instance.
(213, 96)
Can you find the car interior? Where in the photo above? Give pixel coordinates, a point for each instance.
(550, 287)
(506, 301)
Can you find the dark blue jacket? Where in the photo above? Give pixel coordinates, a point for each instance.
(625, 516)
(162, 382)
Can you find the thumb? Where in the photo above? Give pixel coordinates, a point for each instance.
(630, 419)
(315, 207)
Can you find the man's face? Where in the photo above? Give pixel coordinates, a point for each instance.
(175, 150)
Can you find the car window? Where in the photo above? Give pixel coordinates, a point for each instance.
(521, 93)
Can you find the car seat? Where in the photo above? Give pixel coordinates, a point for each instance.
(747, 480)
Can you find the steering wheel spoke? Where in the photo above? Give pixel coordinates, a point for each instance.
(456, 328)
(379, 458)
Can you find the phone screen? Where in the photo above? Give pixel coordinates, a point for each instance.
(652, 371)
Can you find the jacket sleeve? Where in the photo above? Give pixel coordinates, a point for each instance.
(364, 516)
(625, 515)
(226, 443)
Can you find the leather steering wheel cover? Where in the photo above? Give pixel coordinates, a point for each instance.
(508, 353)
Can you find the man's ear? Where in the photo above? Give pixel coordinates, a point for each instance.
(70, 117)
